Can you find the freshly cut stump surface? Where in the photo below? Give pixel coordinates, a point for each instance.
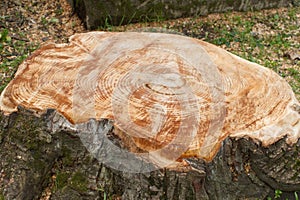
(170, 96)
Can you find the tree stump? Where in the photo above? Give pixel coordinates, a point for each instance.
(39, 160)
(146, 116)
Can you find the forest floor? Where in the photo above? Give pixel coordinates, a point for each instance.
(269, 37)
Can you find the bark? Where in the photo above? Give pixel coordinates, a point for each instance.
(40, 157)
(97, 13)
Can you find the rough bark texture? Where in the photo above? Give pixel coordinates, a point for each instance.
(98, 13)
(40, 157)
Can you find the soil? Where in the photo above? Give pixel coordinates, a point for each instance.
(39, 21)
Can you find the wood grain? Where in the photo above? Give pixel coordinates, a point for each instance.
(170, 94)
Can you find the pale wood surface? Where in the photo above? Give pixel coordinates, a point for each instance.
(159, 89)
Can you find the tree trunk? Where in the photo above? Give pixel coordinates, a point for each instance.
(95, 13)
(41, 158)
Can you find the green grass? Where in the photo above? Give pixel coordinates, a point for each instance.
(278, 195)
(13, 51)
